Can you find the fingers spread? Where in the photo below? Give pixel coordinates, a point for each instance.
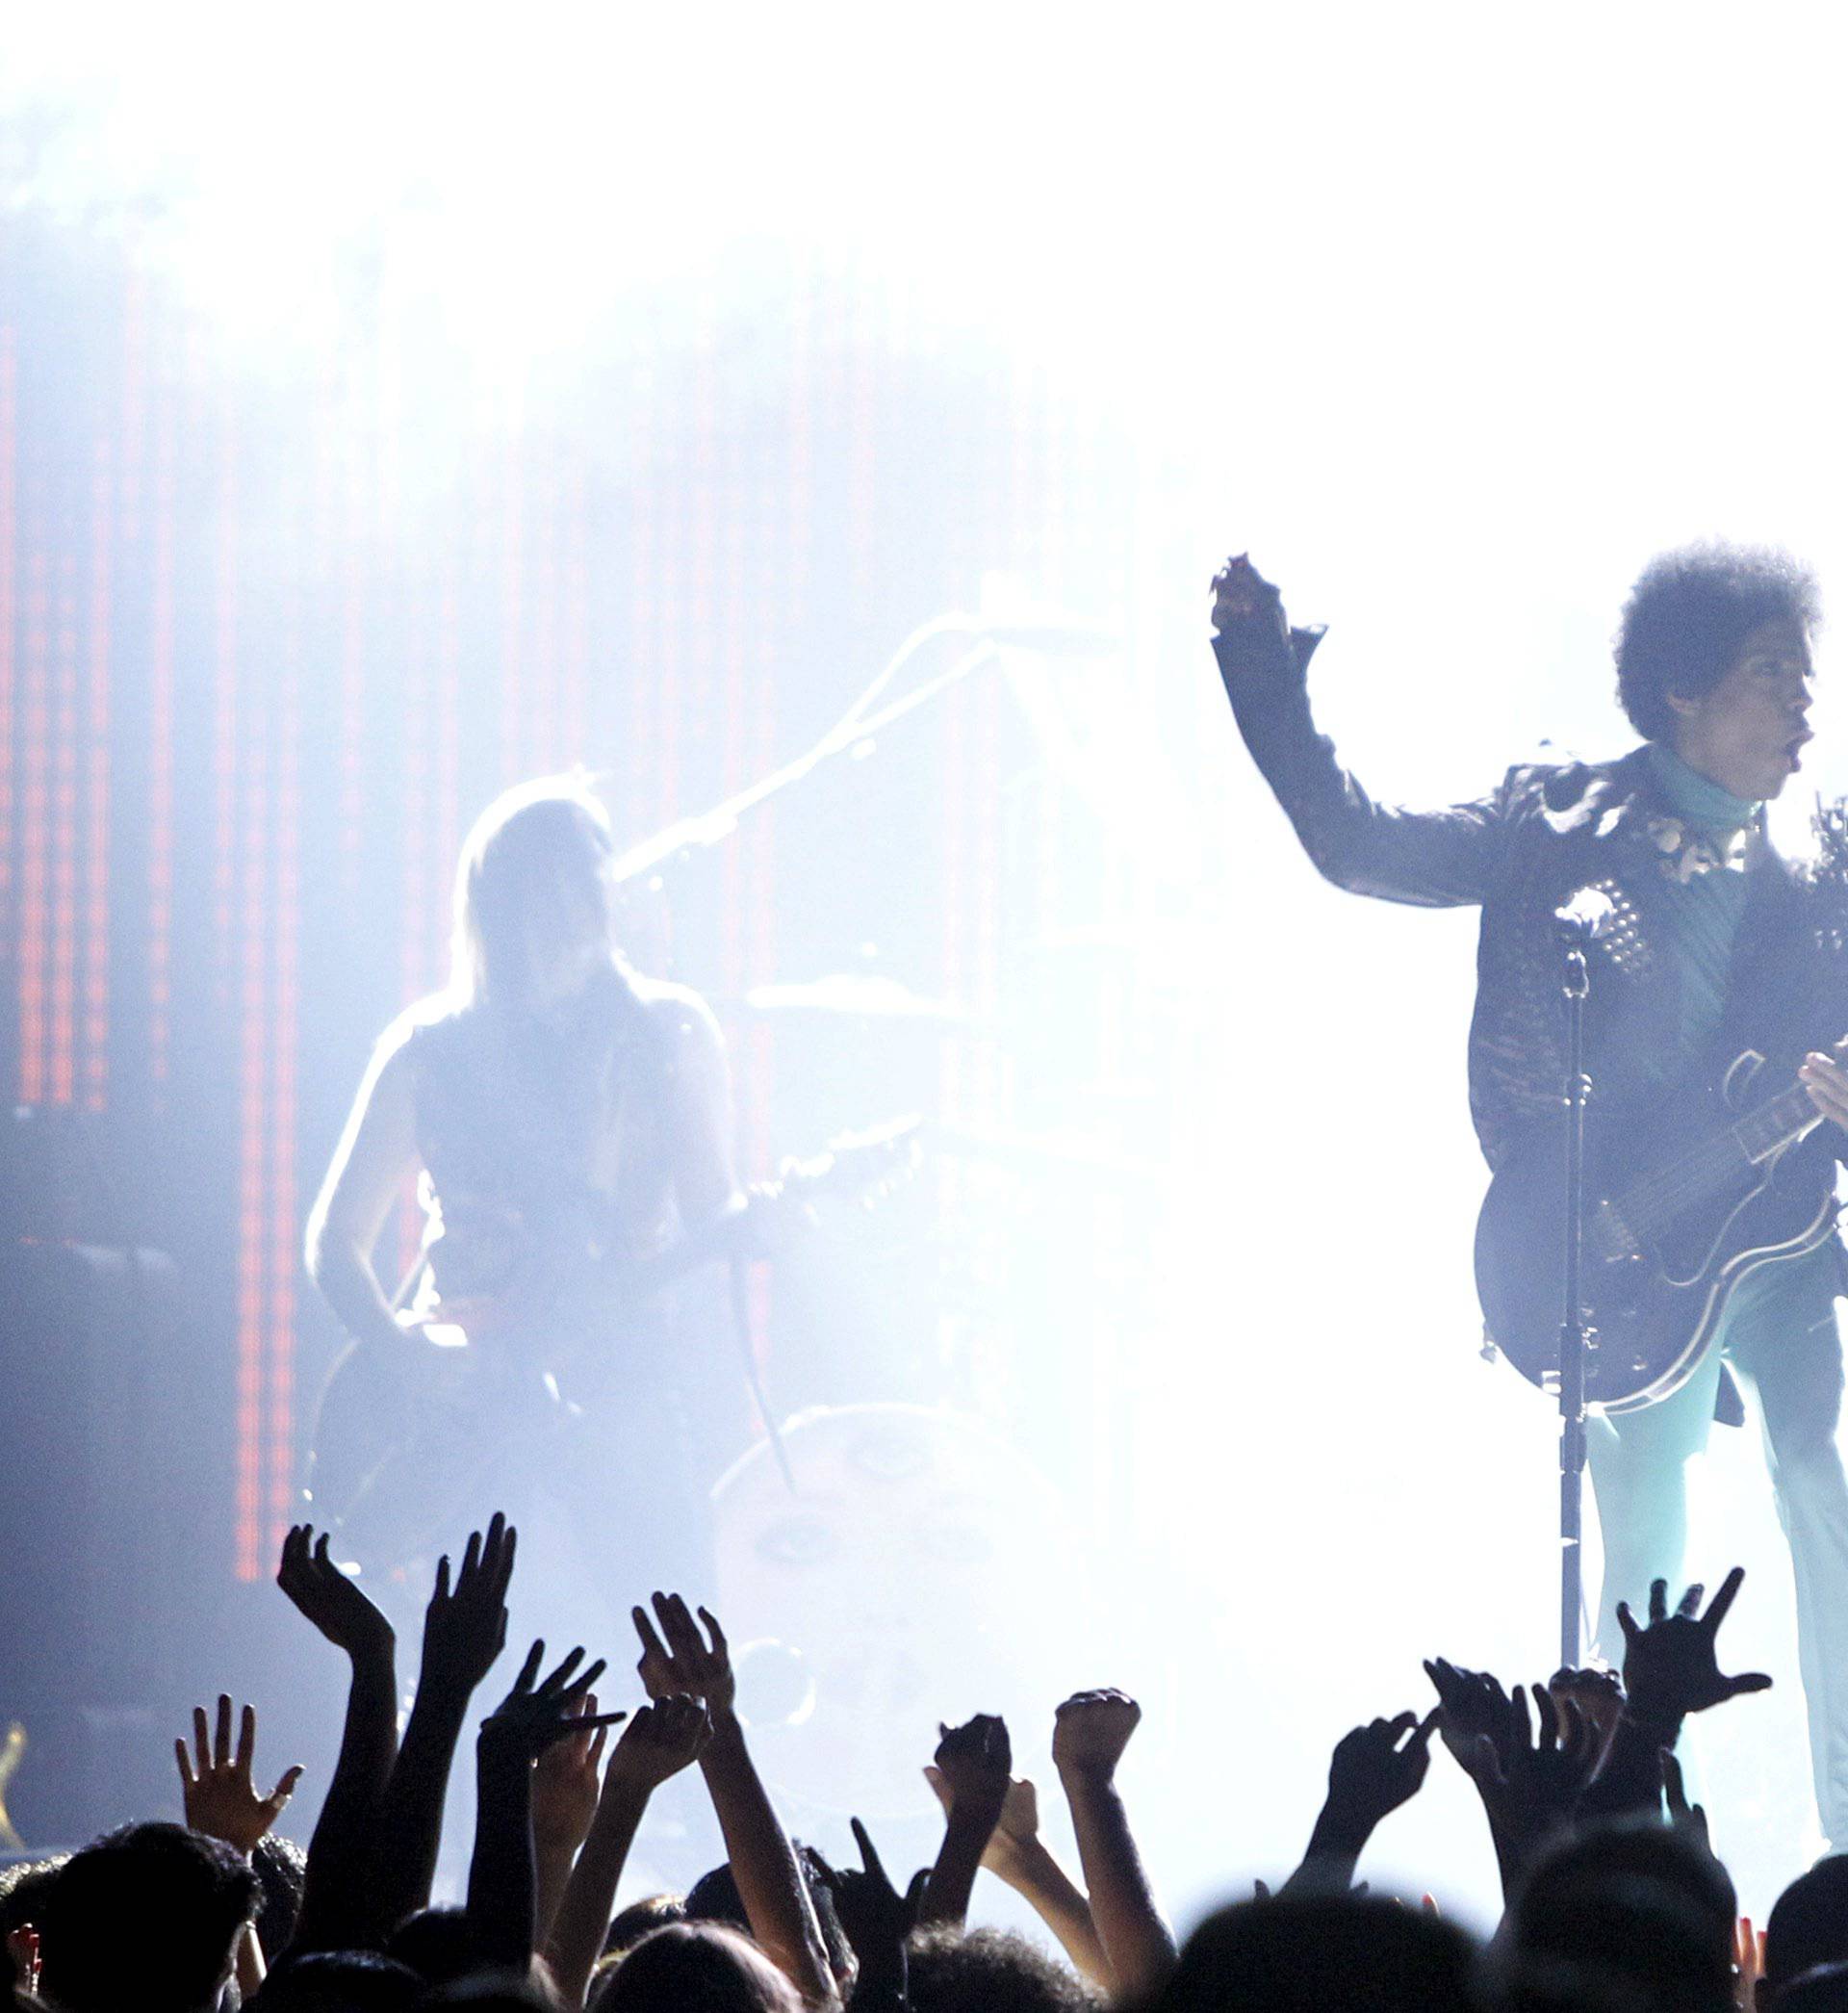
(868, 1857)
(652, 1644)
(1723, 1600)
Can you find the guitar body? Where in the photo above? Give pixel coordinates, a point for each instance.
(414, 1444)
(1683, 1201)
(409, 1446)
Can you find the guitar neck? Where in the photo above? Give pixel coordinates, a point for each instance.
(720, 1238)
(1777, 1124)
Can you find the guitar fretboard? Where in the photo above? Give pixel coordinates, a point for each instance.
(1774, 1125)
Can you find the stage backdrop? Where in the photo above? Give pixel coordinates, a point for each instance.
(275, 625)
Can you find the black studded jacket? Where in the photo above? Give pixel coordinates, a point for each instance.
(1544, 832)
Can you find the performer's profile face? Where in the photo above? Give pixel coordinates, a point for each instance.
(1747, 734)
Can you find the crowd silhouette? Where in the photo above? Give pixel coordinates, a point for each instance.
(1615, 1900)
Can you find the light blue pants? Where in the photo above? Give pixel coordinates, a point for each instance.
(1778, 1333)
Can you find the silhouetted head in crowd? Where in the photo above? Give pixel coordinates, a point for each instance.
(147, 1918)
(1638, 1848)
(340, 1982)
(1305, 1953)
(1809, 1926)
(1823, 1989)
(438, 1944)
(490, 1992)
(714, 1897)
(1540, 1986)
(695, 1968)
(990, 1971)
(628, 1926)
(280, 1864)
(1644, 1907)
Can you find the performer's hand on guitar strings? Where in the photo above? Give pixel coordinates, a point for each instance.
(679, 1659)
(1825, 1080)
(1670, 1668)
(465, 1626)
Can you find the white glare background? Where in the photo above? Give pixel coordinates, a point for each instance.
(1452, 315)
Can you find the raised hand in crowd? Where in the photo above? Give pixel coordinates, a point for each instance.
(877, 1921)
(567, 1779)
(1019, 1857)
(1748, 1965)
(975, 1760)
(1597, 1693)
(334, 1904)
(23, 1948)
(680, 1654)
(221, 1801)
(1534, 1792)
(538, 1714)
(1091, 1730)
(1687, 1817)
(1474, 1708)
(1671, 1668)
(331, 1599)
(1372, 1771)
(465, 1628)
(658, 1742)
(678, 1657)
(220, 1798)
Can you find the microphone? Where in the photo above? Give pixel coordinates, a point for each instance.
(1585, 917)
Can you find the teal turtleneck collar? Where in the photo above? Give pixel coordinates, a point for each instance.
(1695, 798)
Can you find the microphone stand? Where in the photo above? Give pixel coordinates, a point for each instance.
(1574, 1337)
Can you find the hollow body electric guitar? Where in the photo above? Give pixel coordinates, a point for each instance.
(1684, 1199)
(404, 1441)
